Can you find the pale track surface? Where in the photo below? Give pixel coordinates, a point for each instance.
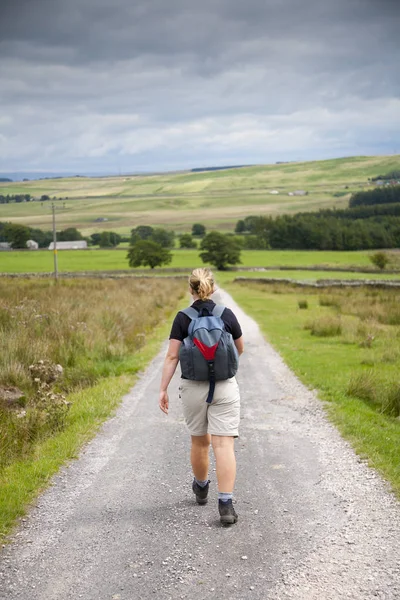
(121, 523)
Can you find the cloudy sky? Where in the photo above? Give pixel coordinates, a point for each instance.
(131, 85)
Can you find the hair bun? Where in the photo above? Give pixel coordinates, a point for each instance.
(202, 283)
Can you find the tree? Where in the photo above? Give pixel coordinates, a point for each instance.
(198, 229)
(115, 238)
(43, 238)
(220, 250)
(186, 241)
(147, 253)
(105, 240)
(95, 239)
(71, 234)
(240, 226)
(163, 237)
(379, 259)
(141, 232)
(16, 235)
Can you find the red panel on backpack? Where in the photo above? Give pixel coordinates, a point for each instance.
(207, 351)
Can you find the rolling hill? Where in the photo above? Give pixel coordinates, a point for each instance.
(177, 200)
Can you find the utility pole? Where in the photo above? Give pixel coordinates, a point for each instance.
(55, 242)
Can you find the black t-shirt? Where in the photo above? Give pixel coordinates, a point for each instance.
(181, 322)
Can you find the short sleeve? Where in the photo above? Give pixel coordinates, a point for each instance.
(232, 324)
(179, 327)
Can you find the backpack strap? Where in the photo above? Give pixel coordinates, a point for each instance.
(190, 312)
(218, 310)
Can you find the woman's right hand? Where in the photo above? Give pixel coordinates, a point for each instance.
(163, 401)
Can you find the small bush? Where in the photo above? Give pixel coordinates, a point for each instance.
(391, 355)
(379, 259)
(364, 386)
(326, 327)
(302, 304)
(390, 315)
(391, 403)
(329, 300)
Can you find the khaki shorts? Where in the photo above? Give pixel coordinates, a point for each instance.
(221, 417)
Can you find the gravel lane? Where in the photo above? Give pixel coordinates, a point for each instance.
(120, 523)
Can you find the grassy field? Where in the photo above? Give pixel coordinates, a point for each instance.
(216, 198)
(109, 260)
(345, 344)
(101, 348)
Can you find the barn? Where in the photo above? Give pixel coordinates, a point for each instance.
(78, 245)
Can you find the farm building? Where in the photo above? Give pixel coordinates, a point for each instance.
(5, 246)
(78, 245)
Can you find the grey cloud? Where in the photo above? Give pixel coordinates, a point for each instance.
(93, 79)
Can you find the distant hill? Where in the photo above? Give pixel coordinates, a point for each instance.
(201, 169)
(33, 176)
(216, 197)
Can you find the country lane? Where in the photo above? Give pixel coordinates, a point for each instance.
(121, 522)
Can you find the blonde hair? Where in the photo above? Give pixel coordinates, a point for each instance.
(201, 282)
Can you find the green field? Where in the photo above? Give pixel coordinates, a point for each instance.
(216, 198)
(346, 345)
(113, 260)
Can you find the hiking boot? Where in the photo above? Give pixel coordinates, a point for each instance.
(200, 492)
(227, 513)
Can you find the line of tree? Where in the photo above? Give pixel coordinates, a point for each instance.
(392, 175)
(17, 236)
(380, 195)
(9, 198)
(160, 236)
(325, 230)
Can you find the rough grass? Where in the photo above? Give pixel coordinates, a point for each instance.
(21, 480)
(178, 200)
(355, 370)
(92, 328)
(325, 326)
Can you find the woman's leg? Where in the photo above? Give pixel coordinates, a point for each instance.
(223, 447)
(199, 456)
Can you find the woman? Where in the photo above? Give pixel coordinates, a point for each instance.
(216, 423)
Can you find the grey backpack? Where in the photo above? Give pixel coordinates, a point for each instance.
(208, 353)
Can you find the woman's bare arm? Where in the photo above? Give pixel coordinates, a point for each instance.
(239, 343)
(169, 368)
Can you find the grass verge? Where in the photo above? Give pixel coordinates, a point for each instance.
(346, 345)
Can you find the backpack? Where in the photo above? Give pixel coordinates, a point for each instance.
(208, 353)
